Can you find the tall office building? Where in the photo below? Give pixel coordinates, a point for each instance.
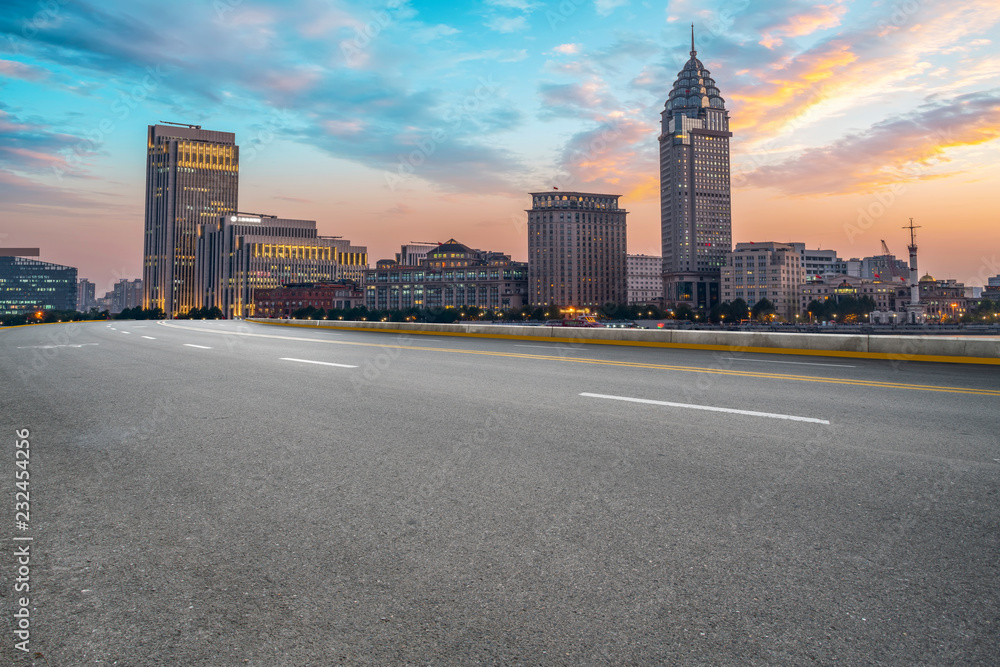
(192, 178)
(695, 207)
(576, 249)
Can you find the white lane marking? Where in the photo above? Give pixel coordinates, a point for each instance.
(321, 363)
(200, 347)
(126, 332)
(553, 347)
(798, 363)
(49, 347)
(141, 326)
(149, 337)
(710, 408)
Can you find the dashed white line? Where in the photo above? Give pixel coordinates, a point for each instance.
(321, 363)
(709, 408)
(200, 347)
(149, 337)
(797, 363)
(126, 332)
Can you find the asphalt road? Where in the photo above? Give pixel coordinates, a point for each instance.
(207, 493)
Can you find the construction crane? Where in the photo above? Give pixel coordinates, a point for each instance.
(891, 260)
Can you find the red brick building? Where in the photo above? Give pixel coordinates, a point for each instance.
(285, 300)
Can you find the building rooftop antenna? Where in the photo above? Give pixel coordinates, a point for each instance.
(913, 234)
(193, 127)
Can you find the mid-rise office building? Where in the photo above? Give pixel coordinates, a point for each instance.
(86, 296)
(452, 275)
(411, 254)
(819, 264)
(28, 285)
(192, 178)
(695, 202)
(239, 254)
(884, 267)
(576, 249)
(769, 270)
(644, 277)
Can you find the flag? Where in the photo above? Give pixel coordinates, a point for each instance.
(554, 187)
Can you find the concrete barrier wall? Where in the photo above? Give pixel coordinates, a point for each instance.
(977, 349)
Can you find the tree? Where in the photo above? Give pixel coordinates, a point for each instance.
(762, 310)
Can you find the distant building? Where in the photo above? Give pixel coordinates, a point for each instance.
(888, 297)
(126, 294)
(576, 249)
(85, 296)
(238, 254)
(886, 268)
(451, 276)
(992, 289)
(644, 277)
(285, 300)
(943, 299)
(768, 270)
(821, 263)
(28, 285)
(412, 254)
(192, 178)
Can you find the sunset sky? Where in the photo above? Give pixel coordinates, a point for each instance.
(390, 122)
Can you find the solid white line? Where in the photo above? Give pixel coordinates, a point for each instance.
(710, 408)
(321, 363)
(149, 337)
(798, 363)
(200, 347)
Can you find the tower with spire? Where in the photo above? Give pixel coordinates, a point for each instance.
(695, 207)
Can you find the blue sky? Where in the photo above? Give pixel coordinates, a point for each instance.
(395, 121)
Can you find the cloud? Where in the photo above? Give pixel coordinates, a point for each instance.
(522, 5)
(813, 19)
(574, 100)
(18, 70)
(605, 7)
(567, 49)
(910, 148)
(503, 24)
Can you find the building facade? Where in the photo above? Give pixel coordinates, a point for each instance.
(695, 201)
(192, 178)
(576, 249)
(820, 264)
(644, 278)
(28, 285)
(239, 254)
(772, 271)
(451, 276)
(126, 294)
(86, 296)
(888, 297)
(285, 300)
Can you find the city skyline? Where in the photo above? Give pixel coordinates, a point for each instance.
(393, 122)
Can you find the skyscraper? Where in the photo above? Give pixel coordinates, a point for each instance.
(192, 177)
(695, 209)
(576, 249)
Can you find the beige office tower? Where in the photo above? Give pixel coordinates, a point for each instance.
(192, 178)
(695, 207)
(576, 249)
